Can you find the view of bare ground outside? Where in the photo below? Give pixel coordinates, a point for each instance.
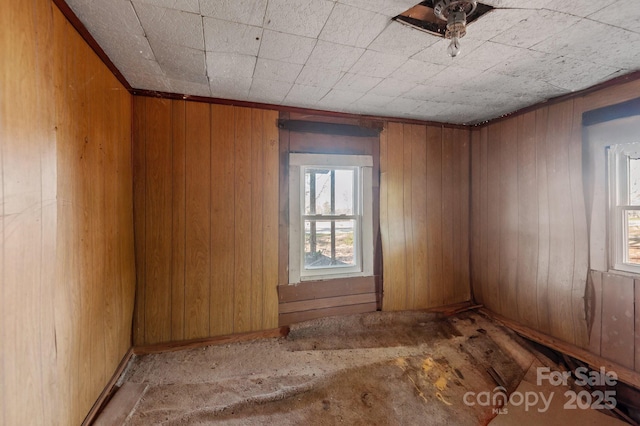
(322, 255)
(633, 226)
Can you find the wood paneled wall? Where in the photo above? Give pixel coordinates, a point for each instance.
(530, 249)
(206, 219)
(67, 275)
(424, 215)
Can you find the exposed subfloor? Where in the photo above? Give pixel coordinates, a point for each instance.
(407, 368)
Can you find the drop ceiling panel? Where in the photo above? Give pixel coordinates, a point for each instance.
(348, 55)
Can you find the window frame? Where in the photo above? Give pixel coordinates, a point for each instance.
(618, 159)
(363, 240)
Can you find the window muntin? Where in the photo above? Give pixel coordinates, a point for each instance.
(624, 167)
(330, 217)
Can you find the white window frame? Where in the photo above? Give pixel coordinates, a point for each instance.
(618, 162)
(363, 240)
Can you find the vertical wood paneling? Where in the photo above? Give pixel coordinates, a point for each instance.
(424, 216)
(65, 225)
(476, 223)
(419, 216)
(596, 328)
(395, 261)
(462, 285)
(139, 137)
(222, 206)
(449, 261)
(198, 216)
(222, 219)
(508, 146)
(158, 226)
(242, 228)
(542, 276)
(492, 290)
(407, 217)
(527, 192)
(178, 220)
(271, 202)
(561, 242)
(257, 198)
(434, 215)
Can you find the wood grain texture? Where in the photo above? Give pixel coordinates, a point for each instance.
(220, 197)
(424, 218)
(65, 224)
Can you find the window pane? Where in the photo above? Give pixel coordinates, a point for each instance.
(329, 243)
(328, 191)
(634, 181)
(632, 223)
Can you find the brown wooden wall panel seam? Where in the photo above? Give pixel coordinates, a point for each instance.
(329, 302)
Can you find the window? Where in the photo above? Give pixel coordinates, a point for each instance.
(624, 192)
(330, 233)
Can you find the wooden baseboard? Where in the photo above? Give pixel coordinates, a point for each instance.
(625, 374)
(218, 340)
(108, 389)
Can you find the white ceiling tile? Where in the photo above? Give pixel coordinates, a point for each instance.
(390, 8)
(425, 92)
(267, 69)
(401, 39)
(230, 65)
(181, 63)
(101, 17)
(357, 83)
(404, 106)
(624, 14)
(486, 56)
(305, 95)
(154, 82)
(453, 76)
(437, 52)
(519, 4)
(300, 17)
(392, 88)
(537, 27)
(416, 71)
(371, 100)
(230, 88)
(268, 90)
(186, 27)
(615, 47)
(334, 56)
(319, 77)
(231, 37)
(376, 64)
(250, 12)
(352, 26)
(339, 99)
(495, 22)
(184, 5)
(286, 47)
(580, 7)
(190, 88)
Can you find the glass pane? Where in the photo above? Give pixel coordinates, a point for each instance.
(329, 243)
(634, 181)
(328, 191)
(632, 223)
